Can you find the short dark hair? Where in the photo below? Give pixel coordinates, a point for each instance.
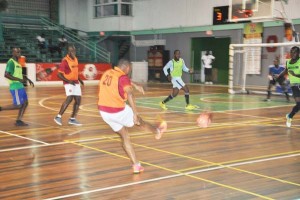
(296, 48)
(176, 51)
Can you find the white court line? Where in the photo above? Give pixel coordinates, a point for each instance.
(33, 146)
(23, 137)
(171, 176)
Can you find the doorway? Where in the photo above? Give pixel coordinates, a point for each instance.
(219, 48)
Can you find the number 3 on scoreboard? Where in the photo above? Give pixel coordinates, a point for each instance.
(107, 80)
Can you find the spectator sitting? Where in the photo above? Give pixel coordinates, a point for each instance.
(41, 41)
(53, 48)
(62, 42)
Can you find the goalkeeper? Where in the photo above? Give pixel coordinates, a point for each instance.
(274, 71)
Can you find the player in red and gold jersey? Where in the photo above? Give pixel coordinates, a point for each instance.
(115, 88)
(68, 73)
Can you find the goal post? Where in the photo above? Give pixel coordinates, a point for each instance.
(237, 74)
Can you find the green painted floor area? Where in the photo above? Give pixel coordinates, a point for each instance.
(216, 102)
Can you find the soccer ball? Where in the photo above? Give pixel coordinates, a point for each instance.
(204, 119)
(90, 72)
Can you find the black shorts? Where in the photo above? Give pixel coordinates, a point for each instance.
(207, 71)
(296, 91)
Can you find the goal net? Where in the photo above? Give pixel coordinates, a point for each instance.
(248, 65)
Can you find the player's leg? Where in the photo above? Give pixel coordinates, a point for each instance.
(76, 105)
(63, 108)
(170, 97)
(284, 88)
(296, 108)
(119, 123)
(187, 96)
(127, 146)
(21, 99)
(76, 92)
(269, 93)
(157, 131)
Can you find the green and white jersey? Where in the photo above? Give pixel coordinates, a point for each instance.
(176, 67)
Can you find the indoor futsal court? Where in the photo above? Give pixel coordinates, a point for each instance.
(247, 152)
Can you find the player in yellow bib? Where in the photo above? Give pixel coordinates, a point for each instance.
(176, 66)
(293, 70)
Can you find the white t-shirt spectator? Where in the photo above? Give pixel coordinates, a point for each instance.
(207, 60)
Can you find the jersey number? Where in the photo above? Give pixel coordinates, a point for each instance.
(107, 80)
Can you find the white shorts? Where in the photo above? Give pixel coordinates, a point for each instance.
(73, 90)
(177, 82)
(120, 119)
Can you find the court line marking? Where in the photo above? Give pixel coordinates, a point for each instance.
(151, 180)
(212, 163)
(179, 171)
(33, 140)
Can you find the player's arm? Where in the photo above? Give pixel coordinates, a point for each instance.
(61, 71)
(131, 100)
(62, 77)
(166, 68)
(9, 71)
(283, 73)
(81, 81)
(186, 69)
(25, 77)
(138, 87)
(291, 72)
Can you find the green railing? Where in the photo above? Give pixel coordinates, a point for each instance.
(99, 53)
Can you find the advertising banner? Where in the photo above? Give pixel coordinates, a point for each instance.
(87, 71)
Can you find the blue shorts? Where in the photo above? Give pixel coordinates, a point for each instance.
(19, 96)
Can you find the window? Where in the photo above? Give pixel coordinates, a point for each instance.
(104, 8)
(126, 9)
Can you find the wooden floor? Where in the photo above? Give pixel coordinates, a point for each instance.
(246, 153)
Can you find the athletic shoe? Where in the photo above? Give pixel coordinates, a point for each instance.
(58, 120)
(137, 168)
(161, 129)
(74, 122)
(288, 120)
(267, 100)
(163, 106)
(190, 107)
(20, 123)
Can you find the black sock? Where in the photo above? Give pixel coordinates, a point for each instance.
(287, 96)
(168, 99)
(269, 95)
(295, 110)
(187, 98)
(0, 108)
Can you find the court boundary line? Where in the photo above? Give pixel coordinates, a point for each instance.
(157, 166)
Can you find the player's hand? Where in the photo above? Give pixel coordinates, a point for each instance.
(81, 82)
(72, 83)
(191, 71)
(30, 82)
(270, 77)
(169, 78)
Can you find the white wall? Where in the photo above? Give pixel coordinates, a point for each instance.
(74, 14)
(152, 14)
(158, 14)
